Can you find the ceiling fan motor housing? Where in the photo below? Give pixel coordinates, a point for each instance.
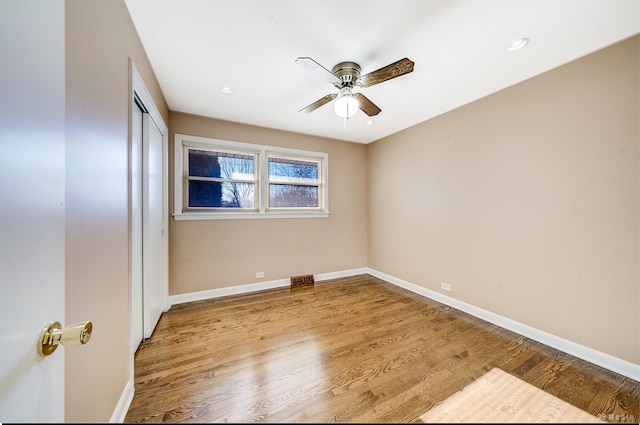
(347, 72)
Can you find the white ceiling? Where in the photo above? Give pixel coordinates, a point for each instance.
(459, 48)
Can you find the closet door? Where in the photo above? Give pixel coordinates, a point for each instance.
(153, 263)
(136, 226)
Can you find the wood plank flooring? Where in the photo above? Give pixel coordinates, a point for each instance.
(355, 349)
(499, 397)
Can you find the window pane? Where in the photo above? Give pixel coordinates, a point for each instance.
(292, 196)
(238, 195)
(205, 194)
(283, 170)
(236, 167)
(221, 194)
(205, 163)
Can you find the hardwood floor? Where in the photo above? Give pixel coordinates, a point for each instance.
(356, 349)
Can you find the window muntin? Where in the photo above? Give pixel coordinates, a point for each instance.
(294, 182)
(221, 179)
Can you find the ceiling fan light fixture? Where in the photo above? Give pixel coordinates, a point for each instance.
(346, 105)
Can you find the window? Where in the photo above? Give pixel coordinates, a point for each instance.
(293, 183)
(217, 179)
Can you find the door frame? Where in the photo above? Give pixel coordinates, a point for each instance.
(139, 90)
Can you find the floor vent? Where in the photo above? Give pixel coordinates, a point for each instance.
(306, 279)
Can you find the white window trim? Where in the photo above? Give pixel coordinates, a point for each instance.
(181, 140)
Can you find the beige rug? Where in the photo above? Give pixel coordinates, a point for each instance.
(499, 397)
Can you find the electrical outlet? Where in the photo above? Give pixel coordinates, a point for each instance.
(446, 286)
(259, 275)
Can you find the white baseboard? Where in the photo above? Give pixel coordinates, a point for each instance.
(230, 290)
(253, 287)
(604, 360)
(344, 273)
(120, 412)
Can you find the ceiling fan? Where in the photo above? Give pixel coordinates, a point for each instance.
(344, 77)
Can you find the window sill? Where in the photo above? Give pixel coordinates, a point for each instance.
(246, 216)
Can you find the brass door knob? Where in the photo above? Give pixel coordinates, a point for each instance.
(53, 335)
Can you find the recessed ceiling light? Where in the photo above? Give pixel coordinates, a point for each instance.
(225, 89)
(370, 122)
(518, 44)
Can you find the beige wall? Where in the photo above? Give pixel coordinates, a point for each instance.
(526, 201)
(100, 39)
(221, 253)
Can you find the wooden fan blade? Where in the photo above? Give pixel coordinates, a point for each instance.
(318, 103)
(319, 70)
(396, 69)
(367, 106)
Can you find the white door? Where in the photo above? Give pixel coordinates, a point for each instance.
(149, 248)
(136, 227)
(32, 197)
(153, 264)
